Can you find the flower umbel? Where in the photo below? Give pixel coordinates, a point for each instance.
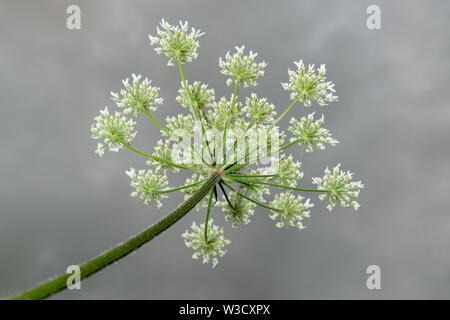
(240, 210)
(176, 41)
(148, 185)
(308, 84)
(243, 176)
(310, 134)
(242, 68)
(164, 150)
(114, 130)
(340, 188)
(224, 110)
(290, 211)
(210, 248)
(286, 171)
(179, 127)
(259, 109)
(137, 97)
(233, 147)
(200, 96)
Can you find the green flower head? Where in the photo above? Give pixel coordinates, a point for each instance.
(310, 134)
(340, 188)
(308, 84)
(176, 42)
(209, 248)
(290, 210)
(242, 68)
(148, 185)
(137, 97)
(114, 130)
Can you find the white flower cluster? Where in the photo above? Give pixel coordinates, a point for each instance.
(309, 85)
(179, 127)
(237, 142)
(259, 109)
(176, 42)
(223, 111)
(164, 150)
(199, 95)
(148, 185)
(340, 188)
(242, 68)
(240, 210)
(291, 210)
(211, 247)
(114, 130)
(310, 134)
(286, 170)
(138, 96)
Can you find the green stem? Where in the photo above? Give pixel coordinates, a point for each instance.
(239, 141)
(251, 176)
(154, 120)
(248, 198)
(272, 125)
(207, 213)
(235, 93)
(284, 113)
(196, 113)
(275, 185)
(60, 282)
(264, 157)
(182, 188)
(181, 166)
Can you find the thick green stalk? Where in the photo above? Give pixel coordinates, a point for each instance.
(58, 283)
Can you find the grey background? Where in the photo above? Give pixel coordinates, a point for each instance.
(60, 204)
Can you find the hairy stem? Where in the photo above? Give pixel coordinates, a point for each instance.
(58, 283)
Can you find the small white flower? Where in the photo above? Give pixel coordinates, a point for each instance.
(176, 41)
(309, 85)
(138, 96)
(286, 172)
(241, 211)
(148, 185)
(209, 249)
(340, 188)
(165, 151)
(310, 134)
(290, 210)
(259, 109)
(114, 130)
(200, 95)
(242, 68)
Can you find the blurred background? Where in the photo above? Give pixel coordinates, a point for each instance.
(60, 204)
